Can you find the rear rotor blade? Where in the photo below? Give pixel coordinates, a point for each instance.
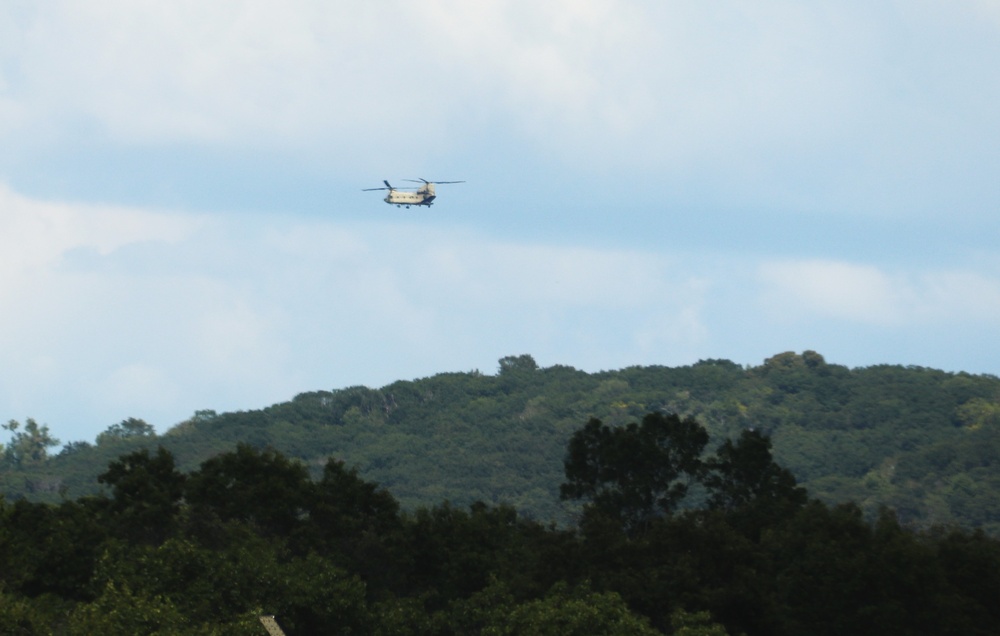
(387, 187)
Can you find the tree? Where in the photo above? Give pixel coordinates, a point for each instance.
(262, 488)
(971, 564)
(572, 613)
(517, 364)
(118, 611)
(564, 611)
(634, 473)
(127, 429)
(19, 616)
(354, 520)
(146, 492)
(48, 549)
(695, 624)
(29, 446)
(745, 472)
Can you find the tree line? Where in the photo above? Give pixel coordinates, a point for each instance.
(920, 441)
(671, 537)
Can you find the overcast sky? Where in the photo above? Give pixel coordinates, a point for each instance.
(182, 225)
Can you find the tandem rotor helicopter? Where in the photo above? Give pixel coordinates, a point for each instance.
(421, 195)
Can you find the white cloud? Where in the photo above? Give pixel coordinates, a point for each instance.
(118, 312)
(208, 71)
(959, 296)
(60, 323)
(128, 313)
(864, 294)
(850, 108)
(549, 62)
(35, 236)
(134, 389)
(189, 71)
(748, 92)
(501, 273)
(987, 8)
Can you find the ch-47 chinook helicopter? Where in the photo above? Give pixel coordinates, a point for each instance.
(422, 195)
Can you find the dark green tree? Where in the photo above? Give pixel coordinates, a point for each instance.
(46, 549)
(146, 492)
(695, 624)
(130, 428)
(744, 481)
(262, 488)
(971, 565)
(118, 611)
(19, 617)
(453, 553)
(634, 473)
(570, 612)
(181, 587)
(745, 471)
(517, 364)
(356, 522)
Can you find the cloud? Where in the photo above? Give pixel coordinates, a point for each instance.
(669, 125)
(838, 108)
(863, 294)
(124, 312)
(60, 324)
(230, 72)
(498, 272)
(959, 296)
(35, 236)
(287, 71)
(129, 313)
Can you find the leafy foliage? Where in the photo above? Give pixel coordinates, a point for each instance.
(917, 440)
(634, 472)
(424, 508)
(29, 446)
(250, 532)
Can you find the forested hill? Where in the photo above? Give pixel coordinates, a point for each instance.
(922, 441)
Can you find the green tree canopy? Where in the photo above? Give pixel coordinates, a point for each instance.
(263, 488)
(126, 429)
(146, 492)
(745, 471)
(637, 472)
(27, 446)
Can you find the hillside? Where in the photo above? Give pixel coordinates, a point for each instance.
(919, 440)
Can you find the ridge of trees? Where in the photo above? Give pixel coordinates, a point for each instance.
(680, 496)
(680, 542)
(920, 441)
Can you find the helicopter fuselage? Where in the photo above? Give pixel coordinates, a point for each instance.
(423, 196)
(420, 197)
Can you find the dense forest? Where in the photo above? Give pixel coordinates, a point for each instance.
(672, 537)
(920, 441)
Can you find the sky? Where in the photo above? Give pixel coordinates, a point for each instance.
(183, 226)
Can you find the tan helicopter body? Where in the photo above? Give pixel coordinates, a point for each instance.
(423, 195)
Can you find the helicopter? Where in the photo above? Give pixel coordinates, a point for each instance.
(422, 195)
